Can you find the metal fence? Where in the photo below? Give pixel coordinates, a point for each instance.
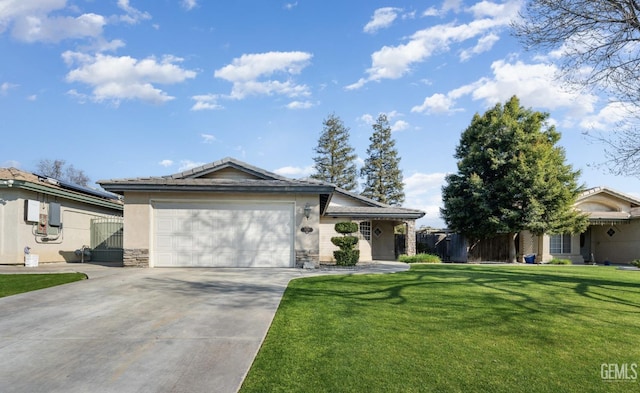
(106, 239)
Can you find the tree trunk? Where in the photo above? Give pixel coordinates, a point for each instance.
(512, 247)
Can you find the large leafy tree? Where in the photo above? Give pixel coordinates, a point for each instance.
(595, 45)
(381, 171)
(58, 169)
(511, 177)
(335, 158)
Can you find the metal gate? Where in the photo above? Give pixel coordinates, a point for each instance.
(106, 239)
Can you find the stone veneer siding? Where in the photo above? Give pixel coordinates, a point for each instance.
(411, 238)
(308, 259)
(135, 257)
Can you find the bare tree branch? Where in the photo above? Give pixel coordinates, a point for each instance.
(596, 45)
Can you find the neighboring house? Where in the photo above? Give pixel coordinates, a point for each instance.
(231, 214)
(47, 217)
(613, 234)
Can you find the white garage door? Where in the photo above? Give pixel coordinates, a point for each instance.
(223, 234)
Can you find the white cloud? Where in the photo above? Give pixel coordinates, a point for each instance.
(290, 6)
(42, 28)
(484, 44)
(6, 86)
(424, 191)
(32, 97)
(11, 10)
(436, 104)
(125, 78)
(208, 138)
(300, 105)
(54, 21)
(393, 62)
(381, 19)
(166, 163)
(10, 164)
(609, 117)
(367, 118)
(399, 126)
(250, 74)
(185, 165)
(133, 15)
(189, 4)
(295, 172)
(206, 102)
(536, 85)
(447, 5)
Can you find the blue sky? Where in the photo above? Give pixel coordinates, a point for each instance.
(126, 88)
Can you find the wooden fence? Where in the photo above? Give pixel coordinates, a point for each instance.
(453, 247)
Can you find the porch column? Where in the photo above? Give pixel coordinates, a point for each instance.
(410, 238)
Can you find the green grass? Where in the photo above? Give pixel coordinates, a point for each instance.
(421, 258)
(12, 284)
(560, 261)
(453, 328)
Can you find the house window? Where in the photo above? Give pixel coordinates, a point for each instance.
(365, 230)
(560, 244)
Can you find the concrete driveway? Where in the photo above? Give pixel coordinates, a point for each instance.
(142, 330)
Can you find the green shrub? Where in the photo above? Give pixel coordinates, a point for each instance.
(346, 227)
(636, 262)
(560, 261)
(346, 257)
(344, 242)
(420, 258)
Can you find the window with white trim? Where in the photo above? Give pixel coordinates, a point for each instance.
(560, 244)
(365, 230)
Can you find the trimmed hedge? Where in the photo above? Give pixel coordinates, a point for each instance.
(344, 242)
(346, 256)
(346, 227)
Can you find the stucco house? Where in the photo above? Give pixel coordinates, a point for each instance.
(232, 214)
(48, 218)
(613, 234)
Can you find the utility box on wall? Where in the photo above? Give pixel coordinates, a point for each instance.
(54, 214)
(31, 211)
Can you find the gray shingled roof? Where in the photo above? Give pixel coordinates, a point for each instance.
(227, 162)
(373, 212)
(190, 180)
(266, 182)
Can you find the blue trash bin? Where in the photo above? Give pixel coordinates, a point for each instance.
(530, 258)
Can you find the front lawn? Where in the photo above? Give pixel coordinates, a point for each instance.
(11, 284)
(455, 328)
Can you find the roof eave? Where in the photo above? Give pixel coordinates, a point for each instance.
(26, 185)
(386, 216)
(302, 189)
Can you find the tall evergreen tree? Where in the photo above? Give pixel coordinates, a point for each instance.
(383, 178)
(511, 177)
(335, 158)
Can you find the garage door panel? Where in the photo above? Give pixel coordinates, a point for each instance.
(223, 235)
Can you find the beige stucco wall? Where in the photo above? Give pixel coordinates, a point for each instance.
(384, 244)
(531, 244)
(327, 248)
(138, 218)
(622, 247)
(16, 233)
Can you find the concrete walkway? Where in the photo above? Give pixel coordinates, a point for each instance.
(142, 330)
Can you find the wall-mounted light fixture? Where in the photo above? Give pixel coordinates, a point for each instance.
(307, 210)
